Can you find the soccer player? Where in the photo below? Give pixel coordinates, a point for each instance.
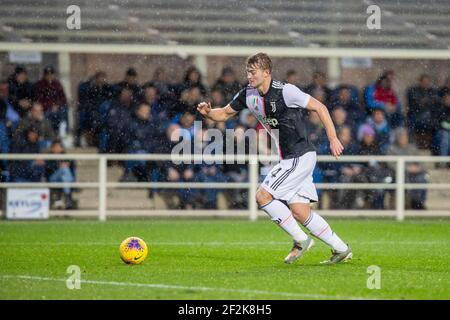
(288, 190)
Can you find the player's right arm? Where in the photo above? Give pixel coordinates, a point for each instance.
(216, 114)
(223, 114)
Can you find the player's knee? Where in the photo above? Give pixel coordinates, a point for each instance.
(297, 214)
(263, 197)
(300, 212)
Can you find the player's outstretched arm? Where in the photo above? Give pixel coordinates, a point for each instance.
(216, 114)
(336, 146)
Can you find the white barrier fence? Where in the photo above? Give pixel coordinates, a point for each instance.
(253, 162)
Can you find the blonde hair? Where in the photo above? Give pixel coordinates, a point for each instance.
(260, 60)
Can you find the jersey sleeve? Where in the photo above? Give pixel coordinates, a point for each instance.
(239, 101)
(294, 97)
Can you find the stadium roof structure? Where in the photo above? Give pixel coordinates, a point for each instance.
(306, 25)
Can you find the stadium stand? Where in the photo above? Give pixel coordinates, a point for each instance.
(215, 22)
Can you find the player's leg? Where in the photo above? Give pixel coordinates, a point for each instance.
(280, 214)
(320, 228)
(282, 183)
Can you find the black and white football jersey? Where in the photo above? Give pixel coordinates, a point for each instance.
(281, 108)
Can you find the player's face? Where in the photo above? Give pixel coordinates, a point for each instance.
(256, 76)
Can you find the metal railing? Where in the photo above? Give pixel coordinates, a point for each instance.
(253, 162)
(241, 51)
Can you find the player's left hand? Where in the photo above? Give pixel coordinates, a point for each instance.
(336, 147)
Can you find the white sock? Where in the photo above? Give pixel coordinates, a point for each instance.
(322, 230)
(282, 215)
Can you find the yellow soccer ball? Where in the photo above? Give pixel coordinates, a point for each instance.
(133, 250)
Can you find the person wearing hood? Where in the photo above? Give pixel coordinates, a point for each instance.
(20, 91)
(27, 170)
(377, 121)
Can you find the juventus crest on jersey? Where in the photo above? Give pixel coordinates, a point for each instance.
(280, 108)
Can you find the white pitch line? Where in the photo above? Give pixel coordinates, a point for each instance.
(212, 243)
(179, 287)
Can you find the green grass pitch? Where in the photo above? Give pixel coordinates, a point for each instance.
(221, 259)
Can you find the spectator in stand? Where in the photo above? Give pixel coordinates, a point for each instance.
(189, 100)
(91, 94)
(61, 171)
(445, 89)
(160, 81)
(344, 99)
(228, 83)
(381, 95)
(36, 118)
(248, 119)
(176, 172)
(205, 172)
(238, 172)
(5, 142)
(165, 146)
(27, 170)
(4, 170)
(344, 172)
(347, 172)
(443, 126)
(317, 136)
(118, 121)
(209, 124)
(143, 130)
(11, 116)
(423, 101)
(191, 79)
(186, 123)
(20, 91)
(377, 121)
(218, 100)
(415, 172)
(367, 137)
(209, 173)
(189, 198)
(316, 131)
(339, 116)
(167, 91)
(292, 78)
(169, 140)
(194, 95)
(3, 110)
(148, 133)
(130, 81)
(189, 173)
(50, 93)
(179, 131)
(143, 138)
(319, 87)
(328, 171)
(152, 98)
(352, 94)
(320, 95)
(373, 172)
